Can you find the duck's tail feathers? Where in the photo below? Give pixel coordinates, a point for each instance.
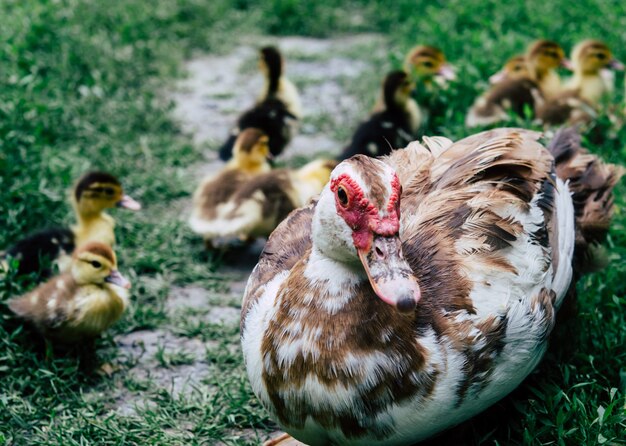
(591, 182)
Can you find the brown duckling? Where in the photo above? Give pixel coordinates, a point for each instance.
(514, 68)
(92, 194)
(277, 110)
(586, 89)
(81, 303)
(259, 205)
(392, 127)
(249, 159)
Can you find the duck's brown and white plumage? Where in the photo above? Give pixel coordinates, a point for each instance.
(418, 290)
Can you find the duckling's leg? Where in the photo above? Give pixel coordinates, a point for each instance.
(283, 440)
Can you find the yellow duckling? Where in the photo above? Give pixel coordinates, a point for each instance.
(249, 159)
(92, 194)
(589, 59)
(81, 303)
(543, 57)
(586, 89)
(259, 205)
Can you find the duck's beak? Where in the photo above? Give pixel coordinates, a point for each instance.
(447, 71)
(567, 64)
(616, 65)
(389, 273)
(128, 203)
(116, 278)
(497, 77)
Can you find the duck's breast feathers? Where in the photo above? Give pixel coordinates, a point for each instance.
(284, 248)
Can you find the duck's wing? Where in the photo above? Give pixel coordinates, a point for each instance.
(484, 207)
(285, 247)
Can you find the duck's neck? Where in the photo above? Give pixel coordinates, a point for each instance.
(272, 83)
(93, 225)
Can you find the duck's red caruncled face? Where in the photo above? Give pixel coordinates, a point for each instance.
(376, 239)
(361, 215)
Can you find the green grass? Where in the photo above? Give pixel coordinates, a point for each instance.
(81, 85)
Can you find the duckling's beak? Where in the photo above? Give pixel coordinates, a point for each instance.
(116, 278)
(447, 71)
(567, 64)
(497, 77)
(128, 203)
(616, 65)
(389, 273)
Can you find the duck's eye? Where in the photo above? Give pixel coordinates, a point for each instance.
(342, 196)
(601, 56)
(96, 264)
(428, 64)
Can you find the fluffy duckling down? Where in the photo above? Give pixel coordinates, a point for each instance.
(80, 303)
(523, 84)
(579, 102)
(257, 206)
(250, 158)
(277, 110)
(394, 126)
(92, 194)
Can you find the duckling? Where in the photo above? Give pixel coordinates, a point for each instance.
(590, 60)
(250, 156)
(277, 110)
(524, 90)
(514, 68)
(392, 127)
(93, 193)
(427, 64)
(510, 92)
(259, 205)
(543, 58)
(80, 303)
(585, 91)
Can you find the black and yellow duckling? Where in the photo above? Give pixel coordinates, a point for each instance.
(584, 92)
(522, 91)
(277, 110)
(260, 204)
(394, 126)
(427, 66)
(250, 158)
(93, 193)
(79, 304)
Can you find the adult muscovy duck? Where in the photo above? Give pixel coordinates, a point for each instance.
(421, 288)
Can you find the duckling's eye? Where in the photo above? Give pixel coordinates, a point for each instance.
(601, 56)
(342, 195)
(96, 264)
(428, 64)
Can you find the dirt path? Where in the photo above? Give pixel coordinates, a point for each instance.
(329, 74)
